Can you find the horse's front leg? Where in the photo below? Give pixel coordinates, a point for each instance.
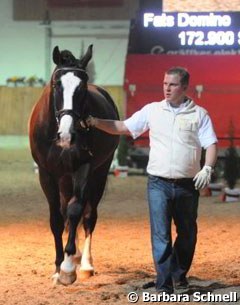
(75, 210)
(51, 190)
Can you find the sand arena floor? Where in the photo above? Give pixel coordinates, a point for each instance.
(121, 243)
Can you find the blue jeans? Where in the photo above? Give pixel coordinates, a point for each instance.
(169, 201)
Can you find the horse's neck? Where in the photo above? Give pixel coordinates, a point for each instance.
(47, 112)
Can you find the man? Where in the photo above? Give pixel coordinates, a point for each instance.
(178, 129)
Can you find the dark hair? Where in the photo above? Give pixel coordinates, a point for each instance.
(182, 72)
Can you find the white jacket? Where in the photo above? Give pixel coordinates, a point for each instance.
(175, 148)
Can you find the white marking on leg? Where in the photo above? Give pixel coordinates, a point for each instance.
(55, 278)
(69, 83)
(67, 265)
(86, 261)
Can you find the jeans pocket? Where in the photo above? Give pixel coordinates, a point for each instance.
(152, 178)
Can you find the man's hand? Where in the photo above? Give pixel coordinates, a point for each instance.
(88, 122)
(202, 178)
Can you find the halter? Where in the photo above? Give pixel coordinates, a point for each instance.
(77, 118)
(70, 69)
(75, 115)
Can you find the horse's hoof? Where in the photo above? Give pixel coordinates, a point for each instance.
(85, 274)
(67, 278)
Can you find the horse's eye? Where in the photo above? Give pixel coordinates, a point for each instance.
(57, 84)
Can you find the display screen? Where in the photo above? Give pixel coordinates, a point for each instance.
(187, 33)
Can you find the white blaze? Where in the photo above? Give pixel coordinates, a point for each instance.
(69, 83)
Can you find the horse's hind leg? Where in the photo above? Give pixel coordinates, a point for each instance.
(51, 191)
(89, 221)
(97, 186)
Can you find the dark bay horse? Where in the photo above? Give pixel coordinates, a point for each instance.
(73, 162)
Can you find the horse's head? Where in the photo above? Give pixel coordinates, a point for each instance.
(69, 87)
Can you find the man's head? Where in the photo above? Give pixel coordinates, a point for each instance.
(182, 72)
(175, 85)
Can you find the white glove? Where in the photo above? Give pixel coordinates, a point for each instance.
(202, 178)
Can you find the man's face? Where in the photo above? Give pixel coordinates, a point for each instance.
(174, 91)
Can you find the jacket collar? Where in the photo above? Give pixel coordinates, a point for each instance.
(189, 106)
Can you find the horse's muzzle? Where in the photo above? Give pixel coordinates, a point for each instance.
(64, 140)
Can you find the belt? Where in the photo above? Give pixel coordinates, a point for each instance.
(177, 180)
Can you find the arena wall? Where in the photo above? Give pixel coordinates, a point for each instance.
(16, 105)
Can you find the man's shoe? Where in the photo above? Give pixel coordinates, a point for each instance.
(182, 284)
(164, 290)
(148, 285)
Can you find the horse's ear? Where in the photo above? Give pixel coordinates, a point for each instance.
(56, 55)
(85, 59)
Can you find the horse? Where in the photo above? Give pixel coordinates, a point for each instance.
(73, 161)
